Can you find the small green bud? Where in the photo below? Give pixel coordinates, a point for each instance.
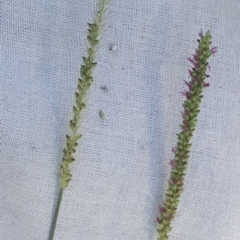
(88, 71)
(78, 137)
(95, 42)
(81, 105)
(85, 60)
(82, 69)
(90, 51)
(83, 75)
(88, 85)
(93, 64)
(90, 79)
(90, 40)
(77, 95)
(72, 150)
(101, 114)
(75, 110)
(72, 125)
(90, 32)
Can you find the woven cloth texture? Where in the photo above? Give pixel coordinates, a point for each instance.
(122, 162)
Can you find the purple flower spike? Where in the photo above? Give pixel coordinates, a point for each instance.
(196, 65)
(189, 86)
(197, 80)
(183, 114)
(190, 72)
(193, 93)
(186, 112)
(185, 123)
(169, 217)
(213, 50)
(174, 181)
(174, 149)
(206, 84)
(195, 57)
(198, 52)
(159, 220)
(161, 209)
(172, 164)
(207, 76)
(186, 94)
(201, 34)
(191, 60)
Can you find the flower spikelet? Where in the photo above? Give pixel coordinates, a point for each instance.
(84, 83)
(191, 105)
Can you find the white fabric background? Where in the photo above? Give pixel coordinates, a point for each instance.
(122, 167)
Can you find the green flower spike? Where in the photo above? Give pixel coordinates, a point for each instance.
(84, 83)
(189, 119)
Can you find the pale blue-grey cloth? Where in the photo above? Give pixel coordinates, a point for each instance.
(122, 161)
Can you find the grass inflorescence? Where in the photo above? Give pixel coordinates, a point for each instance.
(189, 119)
(84, 83)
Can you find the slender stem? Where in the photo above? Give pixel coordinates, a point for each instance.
(53, 226)
(84, 83)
